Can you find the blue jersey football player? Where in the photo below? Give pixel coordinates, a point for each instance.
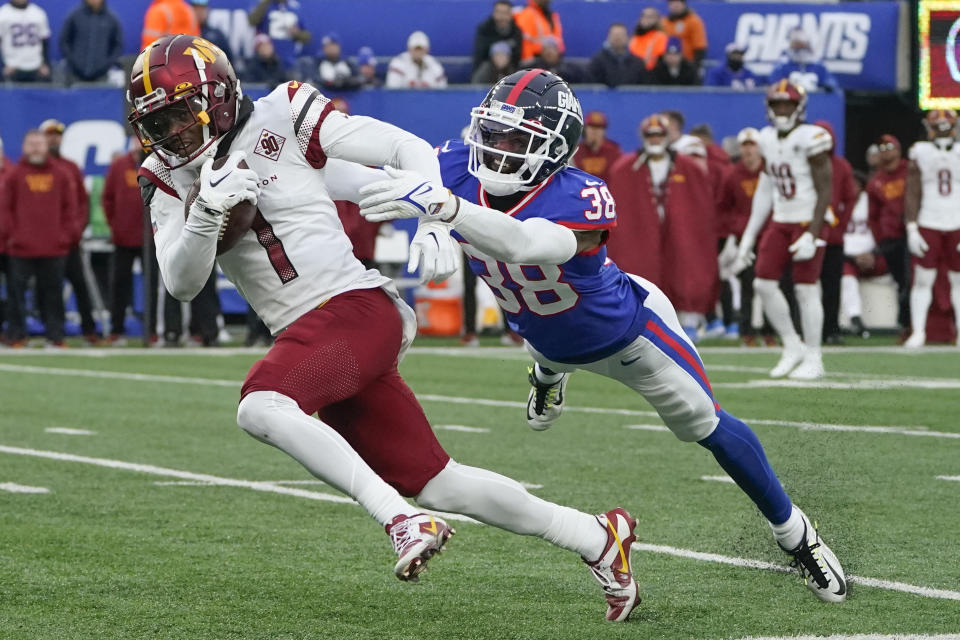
(534, 229)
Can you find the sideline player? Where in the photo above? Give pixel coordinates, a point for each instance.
(340, 328)
(933, 218)
(546, 262)
(798, 180)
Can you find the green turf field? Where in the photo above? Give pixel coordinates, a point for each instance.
(167, 521)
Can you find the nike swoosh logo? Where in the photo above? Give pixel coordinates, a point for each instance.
(843, 587)
(214, 183)
(593, 183)
(445, 147)
(627, 363)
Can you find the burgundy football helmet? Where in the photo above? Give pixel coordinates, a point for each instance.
(184, 93)
(785, 91)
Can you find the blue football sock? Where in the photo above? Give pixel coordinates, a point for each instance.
(739, 452)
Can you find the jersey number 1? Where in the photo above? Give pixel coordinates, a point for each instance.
(274, 247)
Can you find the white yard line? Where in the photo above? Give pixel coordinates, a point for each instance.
(12, 487)
(727, 479)
(461, 428)
(950, 478)
(70, 432)
(927, 592)
(116, 375)
(859, 385)
(908, 430)
(646, 427)
(201, 478)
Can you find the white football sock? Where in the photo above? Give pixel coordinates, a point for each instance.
(954, 277)
(921, 295)
(811, 314)
(777, 310)
(546, 378)
(495, 499)
(850, 296)
(790, 533)
(276, 419)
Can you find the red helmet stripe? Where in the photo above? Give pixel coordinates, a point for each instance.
(520, 86)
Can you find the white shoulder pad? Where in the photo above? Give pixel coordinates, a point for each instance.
(308, 109)
(919, 150)
(815, 140)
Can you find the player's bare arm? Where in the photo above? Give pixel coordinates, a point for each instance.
(821, 170)
(914, 192)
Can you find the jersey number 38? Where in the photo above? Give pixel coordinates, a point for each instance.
(538, 288)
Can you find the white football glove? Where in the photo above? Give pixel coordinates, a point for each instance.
(804, 248)
(222, 189)
(745, 255)
(915, 242)
(407, 194)
(727, 257)
(434, 251)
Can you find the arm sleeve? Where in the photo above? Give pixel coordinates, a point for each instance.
(371, 142)
(344, 179)
(760, 207)
(186, 251)
(531, 241)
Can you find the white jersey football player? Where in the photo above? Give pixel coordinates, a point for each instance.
(340, 329)
(797, 182)
(933, 218)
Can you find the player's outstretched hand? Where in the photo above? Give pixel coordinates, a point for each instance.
(804, 248)
(915, 242)
(222, 189)
(407, 194)
(745, 255)
(434, 251)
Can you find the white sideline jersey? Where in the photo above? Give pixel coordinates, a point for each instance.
(940, 182)
(296, 256)
(858, 238)
(22, 32)
(788, 166)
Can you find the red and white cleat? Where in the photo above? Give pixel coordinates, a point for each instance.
(612, 569)
(417, 539)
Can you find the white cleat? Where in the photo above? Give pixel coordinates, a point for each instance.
(916, 340)
(818, 566)
(792, 356)
(545, 401)
(810, 368)
(416, 539)
(612, 568)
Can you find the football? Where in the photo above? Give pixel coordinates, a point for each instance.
(236, 222)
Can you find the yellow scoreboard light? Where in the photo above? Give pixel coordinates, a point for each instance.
(938, 25)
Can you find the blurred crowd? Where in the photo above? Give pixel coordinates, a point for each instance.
(659, 49)
(683, 202)
(696, 191)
